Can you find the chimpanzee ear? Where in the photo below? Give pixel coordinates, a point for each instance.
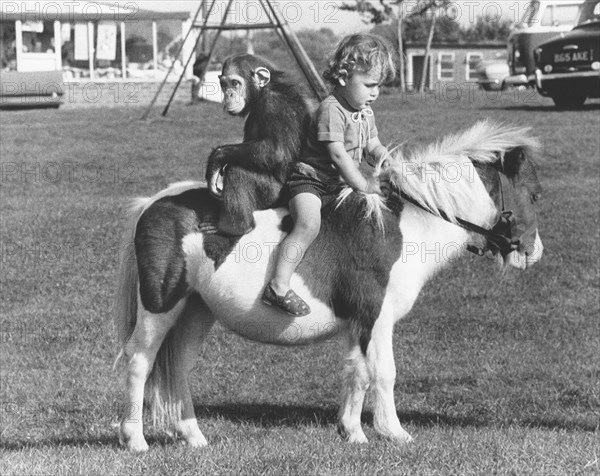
(263, 75)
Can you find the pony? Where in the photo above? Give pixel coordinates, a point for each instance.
(474, 190)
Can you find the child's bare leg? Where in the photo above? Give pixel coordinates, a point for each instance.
(306, 213)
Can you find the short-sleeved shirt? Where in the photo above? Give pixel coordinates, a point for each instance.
(334, 122)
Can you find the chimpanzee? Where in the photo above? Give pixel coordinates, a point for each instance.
(277, 119)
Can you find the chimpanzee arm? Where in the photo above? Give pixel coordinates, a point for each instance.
(272, 139)
(260, 156)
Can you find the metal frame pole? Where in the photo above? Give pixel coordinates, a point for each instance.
(160, 88)
(212, 49)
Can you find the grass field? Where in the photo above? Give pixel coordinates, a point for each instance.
(497, 374)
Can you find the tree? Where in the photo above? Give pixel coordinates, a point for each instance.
(399, 12)
(485, 30)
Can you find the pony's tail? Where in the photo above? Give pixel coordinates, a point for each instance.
(172, 362)
(126, 305)
(162, 385)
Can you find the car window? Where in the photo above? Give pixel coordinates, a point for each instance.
(560, 15)
(565, 14)
(547, 16)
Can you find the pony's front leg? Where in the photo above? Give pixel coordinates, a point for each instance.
(355, 382)
(382, 368)
(140, 352)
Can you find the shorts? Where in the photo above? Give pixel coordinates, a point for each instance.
(305, 179)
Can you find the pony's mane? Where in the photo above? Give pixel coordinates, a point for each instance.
(441, 177)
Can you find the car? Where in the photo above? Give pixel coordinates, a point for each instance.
(542, 21)
(568, 68)
(31, 89)
(492, 73)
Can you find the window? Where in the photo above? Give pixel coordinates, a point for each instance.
(560, 15)
(473, 62)
(446, 66)
(565, 14)
(8, 49)
(38, 37)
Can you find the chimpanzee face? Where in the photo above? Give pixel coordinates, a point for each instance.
(234, 89)
(240, 87)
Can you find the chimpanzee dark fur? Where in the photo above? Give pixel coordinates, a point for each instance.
(274, 136)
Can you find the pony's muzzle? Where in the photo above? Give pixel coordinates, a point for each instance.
(527, 254)
(534, 251)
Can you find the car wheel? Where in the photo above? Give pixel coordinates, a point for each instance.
(569, 99)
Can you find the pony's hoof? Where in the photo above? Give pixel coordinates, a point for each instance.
(359, 438)
(403, 438)
(352, 436)
(135, 445)
(196, 442)
(191, 434)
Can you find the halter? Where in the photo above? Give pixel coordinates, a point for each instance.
(501, 238)
(359, 117)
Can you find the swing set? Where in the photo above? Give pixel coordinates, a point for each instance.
(276, 21)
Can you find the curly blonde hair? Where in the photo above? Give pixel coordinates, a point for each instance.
(361, 52)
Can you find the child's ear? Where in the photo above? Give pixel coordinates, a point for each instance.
(342, 82)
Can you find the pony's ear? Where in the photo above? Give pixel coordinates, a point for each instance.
(513, 161)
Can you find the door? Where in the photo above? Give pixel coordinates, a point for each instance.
(417, 67)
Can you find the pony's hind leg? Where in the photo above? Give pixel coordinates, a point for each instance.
(355, 382)
(184, 340)
(382, 369)
(139, 353)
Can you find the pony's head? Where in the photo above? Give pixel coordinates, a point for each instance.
(513, 185)
(484, 180)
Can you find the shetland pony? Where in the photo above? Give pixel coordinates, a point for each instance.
(472, 190)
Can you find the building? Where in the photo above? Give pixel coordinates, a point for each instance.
(450, 63)
(89, 42)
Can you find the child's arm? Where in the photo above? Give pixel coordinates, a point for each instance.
(349, 171)
(377, 150)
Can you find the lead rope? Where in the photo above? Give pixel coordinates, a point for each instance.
(359, 117)
(501, 189)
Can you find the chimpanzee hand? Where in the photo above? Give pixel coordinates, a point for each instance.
(215, 171)
(216, 160)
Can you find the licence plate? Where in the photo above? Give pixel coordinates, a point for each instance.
(573, 57)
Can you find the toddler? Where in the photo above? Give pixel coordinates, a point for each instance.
(341, 131)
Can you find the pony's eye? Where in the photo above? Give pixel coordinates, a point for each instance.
(535, 197)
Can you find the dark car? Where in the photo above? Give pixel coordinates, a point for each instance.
(543, 20)
(568, 68)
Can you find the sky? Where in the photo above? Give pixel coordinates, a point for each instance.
(326, 13)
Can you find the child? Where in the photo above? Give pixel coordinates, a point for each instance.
(340, 131)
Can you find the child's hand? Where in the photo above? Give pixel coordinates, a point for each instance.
(373, 186)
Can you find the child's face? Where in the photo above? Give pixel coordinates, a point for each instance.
(362, 88)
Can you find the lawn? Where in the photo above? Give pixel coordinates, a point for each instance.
(497, 373)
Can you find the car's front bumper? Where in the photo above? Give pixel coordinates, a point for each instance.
(516, 80)
(491, 83)
(549, 83)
